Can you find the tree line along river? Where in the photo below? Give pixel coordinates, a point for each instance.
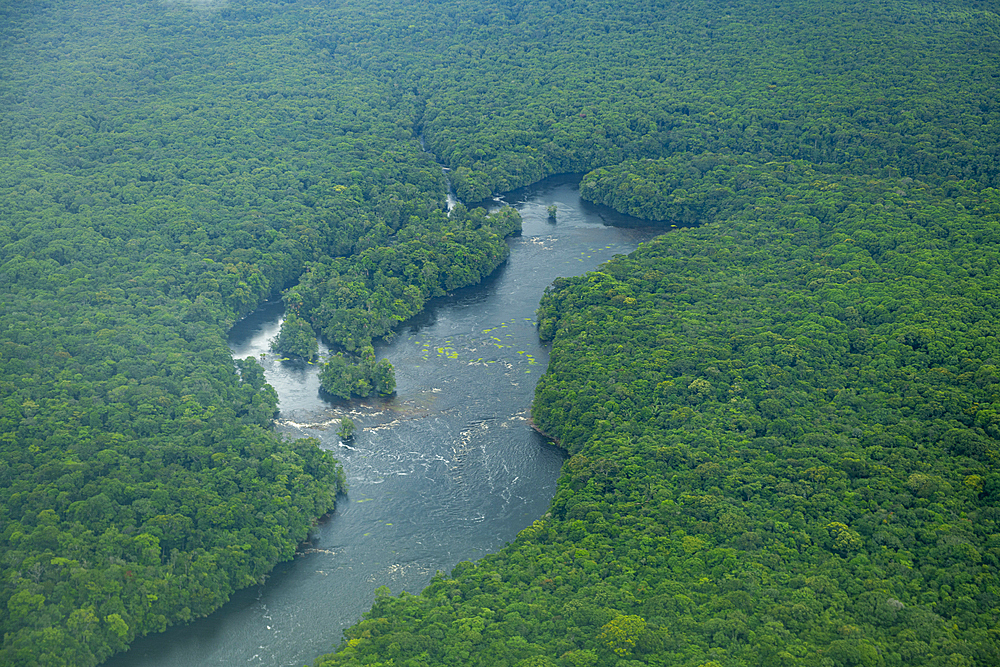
(445, 470)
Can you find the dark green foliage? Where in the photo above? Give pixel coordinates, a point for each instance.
(158, 179)
(337, 377)
(517, 91)
(344, 377)
(784, 425)
(782, 436)
(678, 189)
(296, 338)
(358, 298)
(383, 378)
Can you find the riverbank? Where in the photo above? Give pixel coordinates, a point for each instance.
(447, 470)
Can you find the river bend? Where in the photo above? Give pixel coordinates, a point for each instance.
(446, 470)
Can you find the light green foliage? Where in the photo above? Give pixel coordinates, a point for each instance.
(347, 429)
(845, 540)
(620, 634)
(117, 626)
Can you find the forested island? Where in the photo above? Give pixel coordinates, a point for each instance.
(783, 422)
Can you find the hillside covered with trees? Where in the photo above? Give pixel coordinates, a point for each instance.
(783, 424)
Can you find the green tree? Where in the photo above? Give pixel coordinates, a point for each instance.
(347, 429)
(621, 634)
(296, 338)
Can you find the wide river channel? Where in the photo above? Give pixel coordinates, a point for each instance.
(446, 470)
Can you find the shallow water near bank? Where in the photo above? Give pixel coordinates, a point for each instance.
(445, 470)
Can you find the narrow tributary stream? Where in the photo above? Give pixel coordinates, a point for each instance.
(446, 470)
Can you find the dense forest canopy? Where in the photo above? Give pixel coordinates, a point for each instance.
(783, 424)
(784, 448)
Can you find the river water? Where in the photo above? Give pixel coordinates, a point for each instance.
(446, 470)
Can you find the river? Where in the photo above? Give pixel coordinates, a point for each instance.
(446, 470)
